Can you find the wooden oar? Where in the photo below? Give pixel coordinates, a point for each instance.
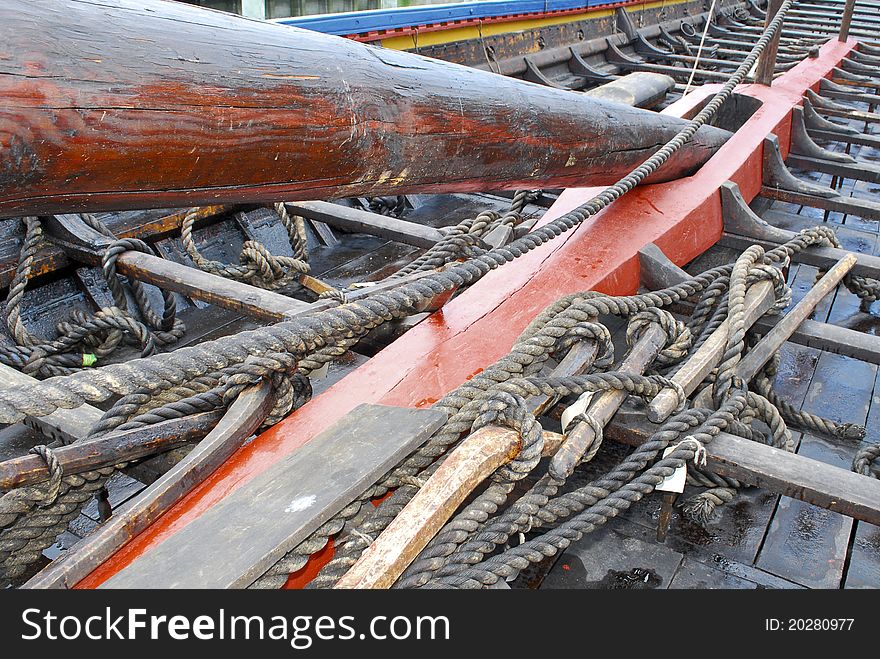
(759, 300)
(464, 469)
(242, 418)
(757, 357)
(302, 115)
(469, 464)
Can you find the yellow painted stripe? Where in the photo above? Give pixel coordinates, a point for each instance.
(437, 37)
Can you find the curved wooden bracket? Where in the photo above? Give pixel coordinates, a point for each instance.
(814, 121)
(803, 145)
(741, 220)
(777, 175)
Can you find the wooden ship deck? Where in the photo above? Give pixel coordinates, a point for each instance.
(809, 523)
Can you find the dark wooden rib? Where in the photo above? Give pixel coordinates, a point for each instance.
(110, 449)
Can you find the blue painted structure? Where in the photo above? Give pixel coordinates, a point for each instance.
(358, 22)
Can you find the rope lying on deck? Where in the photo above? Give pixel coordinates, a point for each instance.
(258, 267)
(456, 555)
(85, 338)
(169, 376)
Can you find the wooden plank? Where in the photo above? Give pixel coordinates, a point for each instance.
(606, 559)
(864, 563)
(259, 522)
(360, 221)
(859, 171)
(831, 338)
(109, 450)
(866, 265)
(787, 473)
(865, 208)
(804, 543)
(242, 418)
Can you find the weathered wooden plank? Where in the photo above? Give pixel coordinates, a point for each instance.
(860, 171)
(244, 416)
(359, 221)
(787, 473)
(831, 338)
(256, 524)
(804, 543)
(866, 265)
(605, 560)
(302, 115)
(865, 208)
(226, 293)
(864, 563)
(109, 450)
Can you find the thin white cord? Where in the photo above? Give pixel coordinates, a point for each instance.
(711, 13)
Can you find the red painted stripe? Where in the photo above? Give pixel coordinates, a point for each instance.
(683, 218)
(377, 35)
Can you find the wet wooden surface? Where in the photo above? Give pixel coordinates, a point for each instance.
(761, 540)
(295, 497)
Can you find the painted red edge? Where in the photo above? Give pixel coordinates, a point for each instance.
(378, 35)
(682, 217)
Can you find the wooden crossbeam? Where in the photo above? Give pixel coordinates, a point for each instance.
(779, 471)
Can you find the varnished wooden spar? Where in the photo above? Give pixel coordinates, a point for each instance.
(116, 104)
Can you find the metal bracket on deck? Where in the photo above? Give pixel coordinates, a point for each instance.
(777, 175)
(741, 220)
(803, 145)
(814, 121)
(656, 271)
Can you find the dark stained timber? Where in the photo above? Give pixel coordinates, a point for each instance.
(92, 118)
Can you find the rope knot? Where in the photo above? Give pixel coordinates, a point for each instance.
(509, 411)
(678, 335)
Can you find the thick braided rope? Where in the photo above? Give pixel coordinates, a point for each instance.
(307, 334)
(258, 266)
(863, 463)
(586, 519)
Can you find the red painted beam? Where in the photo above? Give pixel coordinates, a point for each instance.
(478, 327)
